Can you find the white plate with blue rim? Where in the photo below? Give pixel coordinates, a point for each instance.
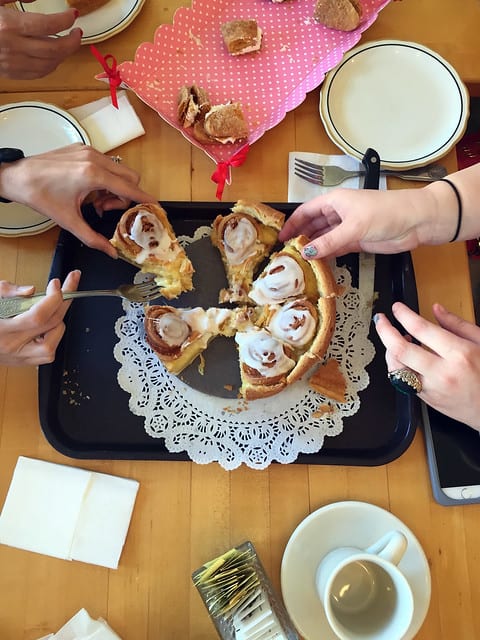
(349, 523)
(103, 23)
(34, 127)
(400, 98)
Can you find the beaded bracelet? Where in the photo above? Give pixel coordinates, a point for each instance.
(460, 208)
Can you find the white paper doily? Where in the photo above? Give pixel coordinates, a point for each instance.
(231, 431)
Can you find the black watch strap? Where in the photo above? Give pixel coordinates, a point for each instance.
(7, 154)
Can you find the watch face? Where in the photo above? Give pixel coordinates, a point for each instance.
(31, 128)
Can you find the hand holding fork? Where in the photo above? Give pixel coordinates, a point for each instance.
(142, 292)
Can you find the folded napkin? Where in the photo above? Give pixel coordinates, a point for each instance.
(83, 627)
(67, 513)
(299, 190)
(107, 126)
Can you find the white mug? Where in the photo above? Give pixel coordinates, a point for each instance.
(364, 593)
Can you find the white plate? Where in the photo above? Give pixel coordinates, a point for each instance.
(97, 26)
(33, 127)
(357, 524)
(399, 98)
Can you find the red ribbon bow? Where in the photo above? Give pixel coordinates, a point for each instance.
(112, 72)
(222, 173)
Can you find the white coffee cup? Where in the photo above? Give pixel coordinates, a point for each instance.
(364, 593)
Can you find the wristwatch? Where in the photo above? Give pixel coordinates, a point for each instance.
(9, 155)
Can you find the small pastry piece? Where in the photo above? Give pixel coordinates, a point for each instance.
(145, 237)
(86, 6)
(329, 381)
(226, 123)
(192, 105)
(241, 36)
(244, 238)
(178, 336)
(343, 15)
(264, 363)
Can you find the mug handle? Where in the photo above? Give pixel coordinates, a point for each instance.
(390, 547)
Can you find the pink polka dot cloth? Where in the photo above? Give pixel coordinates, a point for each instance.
(296, 53)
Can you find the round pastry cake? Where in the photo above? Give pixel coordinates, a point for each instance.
(281, 319)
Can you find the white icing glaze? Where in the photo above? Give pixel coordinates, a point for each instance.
(239, 240)
(283, 279)
(175, 327)
(148, 233)
(293, 323)
(264, 353)
(205, 321)
(172, 329)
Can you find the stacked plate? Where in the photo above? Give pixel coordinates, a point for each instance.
(397, 97)
(33, 127)
(98, 25)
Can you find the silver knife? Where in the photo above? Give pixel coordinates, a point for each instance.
(366, 261)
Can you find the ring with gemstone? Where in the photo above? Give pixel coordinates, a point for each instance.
(406, 381)
(116, 159)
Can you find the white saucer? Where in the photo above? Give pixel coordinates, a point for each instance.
(97, 26)
(34, 127)
(400, 98)
(357, 524)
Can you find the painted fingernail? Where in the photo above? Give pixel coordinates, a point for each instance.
(376, 318)
(310, 251)
(76, 13)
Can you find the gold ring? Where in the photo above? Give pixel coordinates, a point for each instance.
(406, 381)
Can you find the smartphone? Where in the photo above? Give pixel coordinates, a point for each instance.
(453, 454)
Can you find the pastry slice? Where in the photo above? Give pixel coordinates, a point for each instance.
(244, 239)
(178, 336)
(145, 237)
(288, 276)
(344, 15)
(192, 105)
(265, 363)
(86, 6)
(329, 381)
(226, 123)
(241, 36)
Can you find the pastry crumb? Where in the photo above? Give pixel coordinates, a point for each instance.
(322, 409)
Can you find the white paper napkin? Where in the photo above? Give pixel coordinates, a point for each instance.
(107, 126)
(67, 513)
(300, 190)
(83, 627)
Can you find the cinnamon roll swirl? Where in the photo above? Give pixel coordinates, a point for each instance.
(294, 322)
(265, 363)
(244, 238)
(288, 276)
(145, 237)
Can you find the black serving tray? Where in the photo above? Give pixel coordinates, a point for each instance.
(85, 414)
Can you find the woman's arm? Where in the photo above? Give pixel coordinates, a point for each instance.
(345, 220)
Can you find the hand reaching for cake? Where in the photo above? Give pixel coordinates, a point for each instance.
(57, 182)
(27, 50)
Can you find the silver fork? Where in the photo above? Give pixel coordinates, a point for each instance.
(142, 292)
(330, 176)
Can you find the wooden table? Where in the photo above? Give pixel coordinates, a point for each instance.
(185, 513)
